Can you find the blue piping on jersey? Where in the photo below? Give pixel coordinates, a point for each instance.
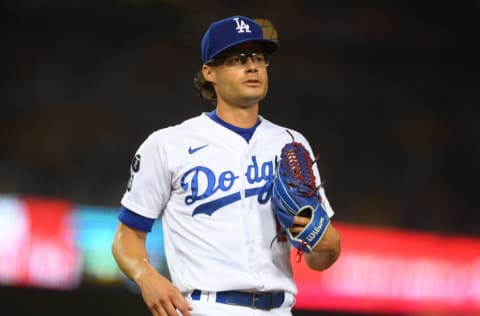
(246, 133)
(133, 220)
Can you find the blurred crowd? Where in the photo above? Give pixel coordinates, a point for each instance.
(387, 93)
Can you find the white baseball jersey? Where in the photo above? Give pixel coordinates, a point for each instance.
(211, 189)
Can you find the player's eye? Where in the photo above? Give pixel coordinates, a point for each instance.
(235, 60)
(259, 59)
(238, 60)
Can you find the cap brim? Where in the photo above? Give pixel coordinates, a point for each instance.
(269, 46)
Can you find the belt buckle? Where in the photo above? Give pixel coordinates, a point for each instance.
(253, 300)
(256, 295)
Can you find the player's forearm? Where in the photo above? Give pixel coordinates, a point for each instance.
(326, 252)
(130, 253)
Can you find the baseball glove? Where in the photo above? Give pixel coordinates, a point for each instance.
(295, 193)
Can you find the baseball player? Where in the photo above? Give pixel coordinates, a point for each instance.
(209, 181)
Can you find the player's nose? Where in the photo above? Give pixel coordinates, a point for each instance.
(250, 64)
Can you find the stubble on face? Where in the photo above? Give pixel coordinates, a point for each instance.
(243, 87)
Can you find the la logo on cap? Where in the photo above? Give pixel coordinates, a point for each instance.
(242, 27)
(232, 31)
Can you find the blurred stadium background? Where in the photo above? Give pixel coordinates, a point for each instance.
(387, 92)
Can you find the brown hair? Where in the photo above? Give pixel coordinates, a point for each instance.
(204, 89)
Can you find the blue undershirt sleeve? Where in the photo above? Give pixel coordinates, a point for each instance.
(135, 221)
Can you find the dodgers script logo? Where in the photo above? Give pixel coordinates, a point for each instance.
(224, 182)
(242, 27)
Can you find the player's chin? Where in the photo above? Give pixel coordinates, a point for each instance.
(252, 100)
(256, 93)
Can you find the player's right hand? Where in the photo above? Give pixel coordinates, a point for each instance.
(161, 296)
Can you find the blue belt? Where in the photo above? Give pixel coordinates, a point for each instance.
(256, 300)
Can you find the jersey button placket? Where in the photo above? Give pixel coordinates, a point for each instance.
(247, 214)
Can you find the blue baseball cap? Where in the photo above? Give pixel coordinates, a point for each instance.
(232, 31)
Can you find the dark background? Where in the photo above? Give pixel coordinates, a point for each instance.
(386, 92)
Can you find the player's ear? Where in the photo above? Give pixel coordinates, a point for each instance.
(208, 73)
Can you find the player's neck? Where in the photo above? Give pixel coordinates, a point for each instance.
(237, 116)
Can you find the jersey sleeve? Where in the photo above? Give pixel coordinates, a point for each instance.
(135, 221)
(149, 187)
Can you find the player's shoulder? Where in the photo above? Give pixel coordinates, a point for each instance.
(282, 132)
(173, 132)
